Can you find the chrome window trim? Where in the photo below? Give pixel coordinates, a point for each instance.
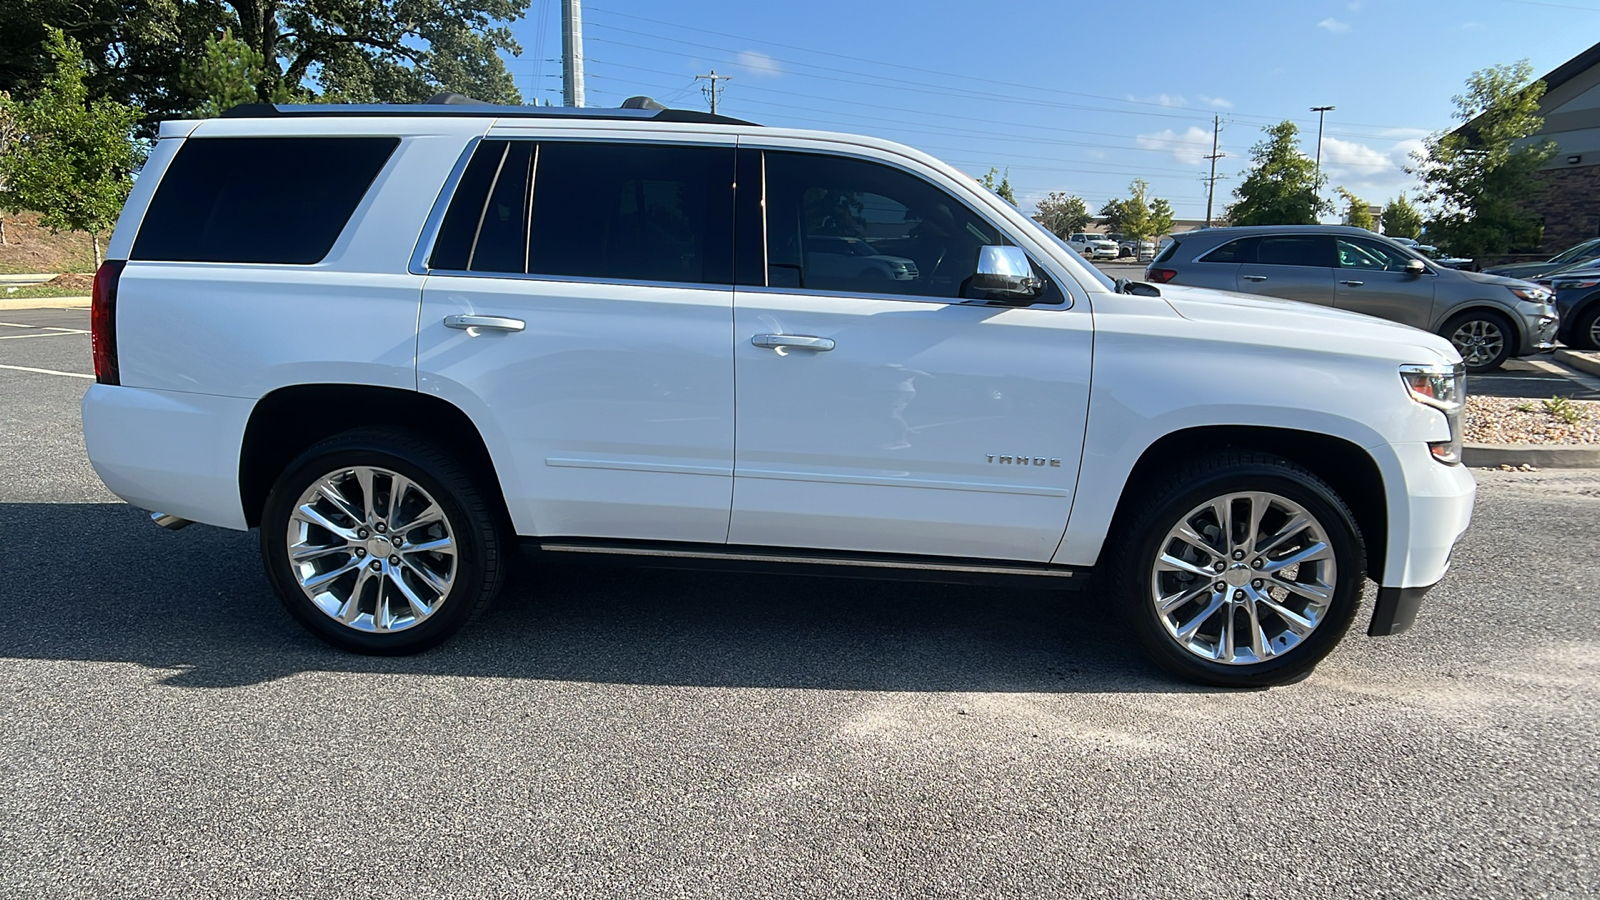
(910, 298)
(580, 279)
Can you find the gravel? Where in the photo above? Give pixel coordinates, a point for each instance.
(1508, 420)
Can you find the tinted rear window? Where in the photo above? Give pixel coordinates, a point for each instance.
(1240, 251)
(259, 200)
(1296, 250)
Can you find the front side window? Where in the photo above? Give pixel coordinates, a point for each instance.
(1370, 255)
(839, 224)
(638, 212)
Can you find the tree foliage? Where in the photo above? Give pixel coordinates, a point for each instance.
(1003, 188)
(1282, 185)
(1357, 212)
(1480, 177)
(228, 75)
(1137, 216)
(75, 159)
(1401, 219)
(148, 53)
(10, 138)
(1062, 214)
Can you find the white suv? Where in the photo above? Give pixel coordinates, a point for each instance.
(400, 339)
(1094, 246)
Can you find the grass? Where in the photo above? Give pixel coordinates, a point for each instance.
(1563, 409)
(36, 291)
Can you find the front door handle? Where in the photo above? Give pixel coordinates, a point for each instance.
(1353, 283)
(485, 323)
(792, 342)
(1254, 277)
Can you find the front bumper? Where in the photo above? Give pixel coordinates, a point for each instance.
(1430, 507)
(1541, 333)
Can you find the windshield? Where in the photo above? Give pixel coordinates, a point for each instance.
(1585, 250)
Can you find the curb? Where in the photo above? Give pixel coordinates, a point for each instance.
(22, 278)
(1583, 362)
(47, 303)
(1544, 456)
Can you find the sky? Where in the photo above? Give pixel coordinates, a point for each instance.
(1080, 97)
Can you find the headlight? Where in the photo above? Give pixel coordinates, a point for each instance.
(1577, 285)
(1533, 295)
(1444, 388)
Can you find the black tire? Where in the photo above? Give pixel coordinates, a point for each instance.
(480, 539)
(1586, 329)
(1487, 319)
(1142, 535)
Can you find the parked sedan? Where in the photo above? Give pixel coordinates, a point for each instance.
(1588, 251)
(852, 257)
(1489, 318)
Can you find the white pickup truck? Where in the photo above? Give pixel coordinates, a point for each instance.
(399, 340)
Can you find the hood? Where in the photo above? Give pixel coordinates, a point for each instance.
(1309, 326)
(1486, 278)
(1521, 270)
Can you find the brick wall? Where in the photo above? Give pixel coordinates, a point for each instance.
(1571, 206)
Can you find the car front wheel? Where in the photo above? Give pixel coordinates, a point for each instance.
(378, 542)
(1239, 570)
(1484, 339)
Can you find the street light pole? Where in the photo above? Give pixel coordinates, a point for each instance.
(1320, 111)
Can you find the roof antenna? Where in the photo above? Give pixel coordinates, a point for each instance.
(642, 102)
(451, 98)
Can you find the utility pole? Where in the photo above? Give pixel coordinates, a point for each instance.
(571, 53)
(711, 90)
(1211, 183)
(1320, 111)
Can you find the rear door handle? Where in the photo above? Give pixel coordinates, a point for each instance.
(485, 323)
(1353, 283)
(792, 342)
(1254, 277)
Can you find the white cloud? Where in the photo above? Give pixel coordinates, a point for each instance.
(1470, 26)
(1354, 5)
(1334, 25)
(1095, 154)
(1162, 99)
(759, 64)
(1188, 148)
(1218, 102)
(1373, 174)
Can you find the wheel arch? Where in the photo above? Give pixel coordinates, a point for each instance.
(1348, 468)
(1471, 306)
(287, 421)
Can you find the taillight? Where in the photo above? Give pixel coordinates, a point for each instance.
(103, 321)
(1160, 276)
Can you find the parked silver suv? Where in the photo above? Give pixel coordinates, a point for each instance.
(1488, 318)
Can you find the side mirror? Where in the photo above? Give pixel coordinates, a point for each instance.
(1415, 267)
(1006, 271)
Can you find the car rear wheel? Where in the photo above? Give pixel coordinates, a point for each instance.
(1239, 570)
(379, 543)
(1483, 338)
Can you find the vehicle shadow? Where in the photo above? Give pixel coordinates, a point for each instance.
(99, 582)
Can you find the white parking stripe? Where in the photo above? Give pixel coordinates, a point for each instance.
(46, 371)
(18, 337)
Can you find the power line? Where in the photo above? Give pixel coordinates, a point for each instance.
(711, 90)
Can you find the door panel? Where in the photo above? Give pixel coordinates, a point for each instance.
(1291, 266)
(609, 415)
(928, 428)
(1372, 280)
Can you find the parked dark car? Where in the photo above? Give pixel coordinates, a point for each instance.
(1488, 318)
(1578, 302)
(1576, 255)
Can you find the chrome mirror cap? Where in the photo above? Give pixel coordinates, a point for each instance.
(1005, 271)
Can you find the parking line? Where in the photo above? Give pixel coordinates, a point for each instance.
(18, 337)
(46, 371)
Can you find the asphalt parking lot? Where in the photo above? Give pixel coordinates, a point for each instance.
(167, 731)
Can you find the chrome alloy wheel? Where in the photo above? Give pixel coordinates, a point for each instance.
(1243, 578)
(371, 549)
(1479, 341)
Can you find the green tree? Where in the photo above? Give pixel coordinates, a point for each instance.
(146, 52)
(1137, 216)
(228, 75)
(10, 138)
(1480, 177)
(76, 159)
(1401, 219)
(1357, 211)
(1003, 188)
(1062, 214)
(1282, 185)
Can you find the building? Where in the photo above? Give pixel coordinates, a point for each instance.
(1571, 111)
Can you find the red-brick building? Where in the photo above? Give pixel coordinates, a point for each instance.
(1571, 111)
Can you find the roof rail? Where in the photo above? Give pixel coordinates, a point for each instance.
(447, 104)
